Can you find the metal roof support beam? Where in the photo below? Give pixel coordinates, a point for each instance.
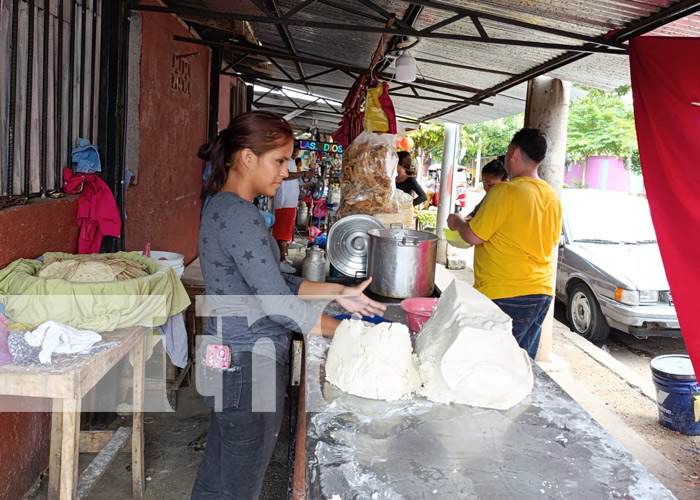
(296, 9)
(514, 22)
(443, 23)
(329, 64)
(479, 27)
(351, 10)
(283, 30)
(272, 105)
(385, 14)
(316, 75)
(258, 99)
(671, 13)
(331, 106)
(277, 65)
(463, 66)
(598, 45)
(238, 61)
(451, 95)
(674, 12)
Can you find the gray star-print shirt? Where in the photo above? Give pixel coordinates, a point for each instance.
(240, 265)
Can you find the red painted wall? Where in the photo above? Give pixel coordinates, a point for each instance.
(163, 208)
(24, 450)
(225, 83)
(41, 226)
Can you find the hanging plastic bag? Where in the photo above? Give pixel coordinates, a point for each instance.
(379, 110)
(367, 178)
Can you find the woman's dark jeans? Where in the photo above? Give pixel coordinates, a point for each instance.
(241, 438)
(528, 313)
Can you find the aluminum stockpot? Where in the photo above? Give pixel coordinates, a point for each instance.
(401, 262)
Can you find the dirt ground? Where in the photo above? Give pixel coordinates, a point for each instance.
(635, 410)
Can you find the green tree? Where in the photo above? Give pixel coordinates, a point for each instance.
(495, 136)
(602, 123)
(428, 141)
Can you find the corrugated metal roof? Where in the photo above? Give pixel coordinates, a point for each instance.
(501, 66)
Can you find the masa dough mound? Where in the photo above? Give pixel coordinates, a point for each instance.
(372, 361)
(467, 353)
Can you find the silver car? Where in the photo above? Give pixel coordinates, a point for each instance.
(610, 273)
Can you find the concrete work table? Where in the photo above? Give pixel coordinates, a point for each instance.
(546, 447)
(65, 382)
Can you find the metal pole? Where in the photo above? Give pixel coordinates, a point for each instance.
(477, 167)
(93, 69)
(58, 178)
(30, 90)
(215, 79)
(446, 182)
(45, 98)
(71, 80)
(81, 86)
(13, 101)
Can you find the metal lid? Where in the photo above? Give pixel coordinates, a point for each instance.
(401, 234)
(674, 366)
(348, 243)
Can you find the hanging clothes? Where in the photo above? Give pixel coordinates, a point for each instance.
(86, 157)
(98, 214)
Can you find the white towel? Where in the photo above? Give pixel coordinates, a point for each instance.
(61, 339)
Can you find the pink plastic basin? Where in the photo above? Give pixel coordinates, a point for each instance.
(418, 311)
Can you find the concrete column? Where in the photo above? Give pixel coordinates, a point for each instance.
(547, 109)
(477, 166)
(446, 187)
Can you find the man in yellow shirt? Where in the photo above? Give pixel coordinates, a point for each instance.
(514, 233)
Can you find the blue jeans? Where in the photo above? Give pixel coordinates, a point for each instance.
(241, 438)
(528, 313)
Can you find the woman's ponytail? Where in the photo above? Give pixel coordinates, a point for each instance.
(214, 154)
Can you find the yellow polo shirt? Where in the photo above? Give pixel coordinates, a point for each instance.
(520, 223)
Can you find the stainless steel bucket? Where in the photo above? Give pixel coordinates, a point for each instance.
(401, 262)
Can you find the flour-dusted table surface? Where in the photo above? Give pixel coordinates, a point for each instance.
(547, 447)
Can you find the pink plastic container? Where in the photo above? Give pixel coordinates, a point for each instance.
(418, 311)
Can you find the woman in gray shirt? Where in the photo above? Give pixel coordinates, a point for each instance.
(254, 306)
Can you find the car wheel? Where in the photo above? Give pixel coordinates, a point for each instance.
(585, 316)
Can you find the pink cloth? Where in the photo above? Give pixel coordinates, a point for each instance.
(5, 356)
(98, 214)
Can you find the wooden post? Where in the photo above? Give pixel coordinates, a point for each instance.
(137, 441)
(547, 109)
(69, 448)
(55, 449)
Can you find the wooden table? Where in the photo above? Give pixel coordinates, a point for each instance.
(66, 381)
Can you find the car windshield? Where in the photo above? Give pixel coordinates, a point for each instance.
(608, 217)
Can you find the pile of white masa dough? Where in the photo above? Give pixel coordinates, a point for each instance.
(465, 353)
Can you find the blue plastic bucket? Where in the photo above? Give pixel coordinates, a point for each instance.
(677, 393)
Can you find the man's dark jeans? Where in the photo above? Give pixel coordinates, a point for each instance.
(241, 438)
(528, 313)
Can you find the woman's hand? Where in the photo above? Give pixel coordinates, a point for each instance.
(355, 301)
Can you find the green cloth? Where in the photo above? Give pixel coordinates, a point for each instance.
(101, 307)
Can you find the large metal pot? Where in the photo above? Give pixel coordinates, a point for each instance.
(401, 262)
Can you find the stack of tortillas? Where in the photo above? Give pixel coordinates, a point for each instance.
(92, 269)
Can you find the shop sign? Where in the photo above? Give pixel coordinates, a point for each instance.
(322, 147)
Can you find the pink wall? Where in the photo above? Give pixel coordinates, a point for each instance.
(163, 208)
(617, 178)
